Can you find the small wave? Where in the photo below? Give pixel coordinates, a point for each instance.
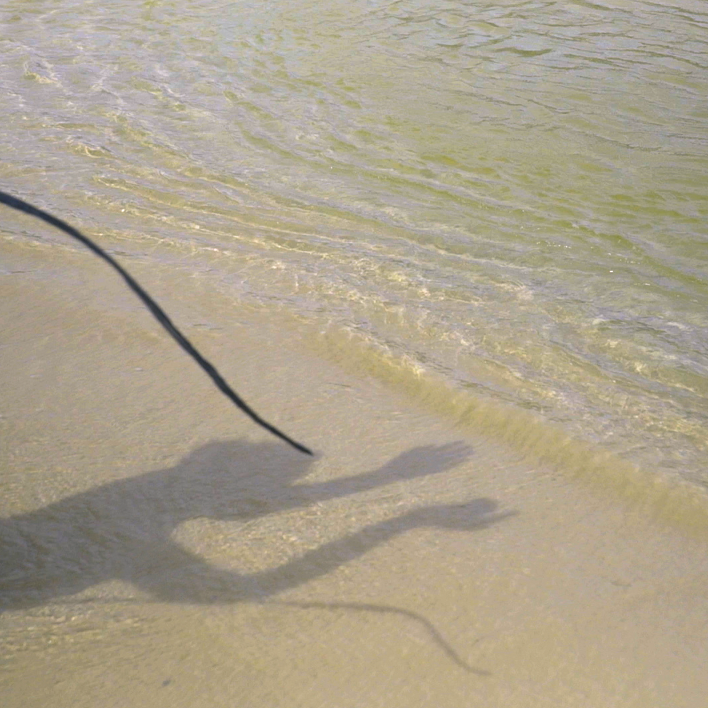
(670, 500)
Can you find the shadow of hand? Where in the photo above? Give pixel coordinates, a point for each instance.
(427, 459)
(459, 517)
(421, 461)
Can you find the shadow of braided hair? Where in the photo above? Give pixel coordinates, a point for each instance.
(158, 313)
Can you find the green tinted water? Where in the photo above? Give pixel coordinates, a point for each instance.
(507, 197)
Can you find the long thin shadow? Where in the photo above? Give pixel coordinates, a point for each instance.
(155, 310)
(123, 530)
(387, 609)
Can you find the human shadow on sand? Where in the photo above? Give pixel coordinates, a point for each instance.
(123, 530)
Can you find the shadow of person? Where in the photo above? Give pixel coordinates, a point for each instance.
(123, 530)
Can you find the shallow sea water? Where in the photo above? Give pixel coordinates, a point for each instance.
(505, 202)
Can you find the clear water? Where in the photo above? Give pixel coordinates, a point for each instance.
(507, 197)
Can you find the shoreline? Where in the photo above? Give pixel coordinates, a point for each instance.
(410, 559)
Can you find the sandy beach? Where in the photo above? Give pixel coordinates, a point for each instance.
(159, 549)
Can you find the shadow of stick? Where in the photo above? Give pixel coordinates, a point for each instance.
(431, 629)
(156, 311)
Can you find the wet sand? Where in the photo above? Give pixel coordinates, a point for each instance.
(158, 549)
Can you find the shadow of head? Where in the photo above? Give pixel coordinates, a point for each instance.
(230, 480)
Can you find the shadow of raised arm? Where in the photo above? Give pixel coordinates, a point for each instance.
(418, 462)
(181, 576)
(187, 578)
